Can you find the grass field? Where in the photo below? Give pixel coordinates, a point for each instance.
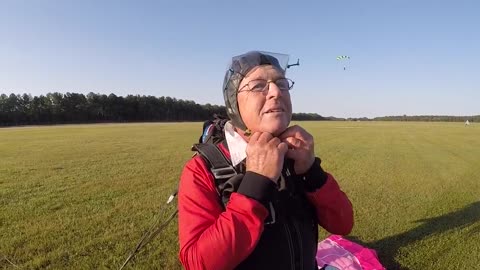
(81, 196)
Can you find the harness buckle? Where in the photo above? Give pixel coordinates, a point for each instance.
(223, 173)
(272, 215)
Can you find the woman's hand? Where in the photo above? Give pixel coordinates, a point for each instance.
(265, 155)
(300, 148)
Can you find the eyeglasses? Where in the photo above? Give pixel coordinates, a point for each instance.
(261, 85)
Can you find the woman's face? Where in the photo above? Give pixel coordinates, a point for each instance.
(268, 111)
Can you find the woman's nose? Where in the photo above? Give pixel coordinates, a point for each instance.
(273, 91)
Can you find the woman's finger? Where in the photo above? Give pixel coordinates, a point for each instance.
(293, 142)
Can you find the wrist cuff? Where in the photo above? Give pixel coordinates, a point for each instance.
(315, 177)
(257, 186)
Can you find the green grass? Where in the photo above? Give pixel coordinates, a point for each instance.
(81, 196)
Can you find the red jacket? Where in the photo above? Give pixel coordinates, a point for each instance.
(213, 238)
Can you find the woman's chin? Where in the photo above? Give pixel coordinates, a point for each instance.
(276, 129)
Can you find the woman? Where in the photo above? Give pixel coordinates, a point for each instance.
(271, 220)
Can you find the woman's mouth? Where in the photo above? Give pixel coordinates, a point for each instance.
(274, 110)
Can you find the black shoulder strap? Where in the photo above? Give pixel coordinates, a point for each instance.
(220, 166)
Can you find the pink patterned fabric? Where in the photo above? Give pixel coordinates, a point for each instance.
(343, 254)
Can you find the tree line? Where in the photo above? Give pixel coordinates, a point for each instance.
(58, 108)
(429, 118)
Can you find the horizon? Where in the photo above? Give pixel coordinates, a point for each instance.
(406, 58)
(223, 105)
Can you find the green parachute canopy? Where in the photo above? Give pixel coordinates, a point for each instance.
(343, 58)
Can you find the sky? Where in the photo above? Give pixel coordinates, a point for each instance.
(406, 57)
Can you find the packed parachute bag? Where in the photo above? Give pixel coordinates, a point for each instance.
(212, 131)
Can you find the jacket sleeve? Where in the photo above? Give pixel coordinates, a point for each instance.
(333, 208)
(211, 237)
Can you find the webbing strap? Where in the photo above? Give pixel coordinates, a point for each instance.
(220, 166)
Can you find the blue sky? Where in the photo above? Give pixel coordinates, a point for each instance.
(407, 57)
